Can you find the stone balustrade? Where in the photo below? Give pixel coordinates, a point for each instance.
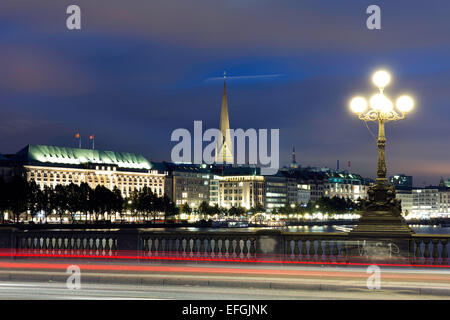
(224, 245)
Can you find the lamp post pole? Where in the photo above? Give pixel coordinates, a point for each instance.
(381, 142)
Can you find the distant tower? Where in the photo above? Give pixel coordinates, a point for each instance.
(224, 153)
(294, 164)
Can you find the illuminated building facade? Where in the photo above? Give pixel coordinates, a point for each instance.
(241, 190)
(425, 201)
(345, 185)
(276, 192)
(402, 182)
(303, 193)
(50, 166)
(192, 184)
(406, 198)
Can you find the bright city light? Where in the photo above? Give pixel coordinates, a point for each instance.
(358, 104)
(381, 78)
(405, 103)
(380, 102)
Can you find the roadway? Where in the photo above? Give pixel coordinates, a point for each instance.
(46, 279)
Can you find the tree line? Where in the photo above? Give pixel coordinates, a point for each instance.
(334, 205)
(17, 196)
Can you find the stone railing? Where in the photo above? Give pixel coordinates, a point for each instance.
(316, 247)
(429, 249)
(224, 245)
(209, 245)
(59, 242)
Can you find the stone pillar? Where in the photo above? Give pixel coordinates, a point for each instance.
(128, 242)
(269, 245)
(8, 240)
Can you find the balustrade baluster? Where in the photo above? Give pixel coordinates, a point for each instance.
(345, 249)
(335, 251)
(201, 249)
(145, 244)
(238, 247)
(252, 247)
(233, 247)
(418, 250)
(444, 251)
(223, 248)
(167, 246)
(296, 250)
(208, 247)
(245, 248)
(153, 245)
(194, 245)
(327, 250)
(319, 250)
(162, 245)
(216, 246)
(435, 253)
(426, 252)
(183, 245)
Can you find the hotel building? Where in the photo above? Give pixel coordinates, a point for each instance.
(51, 165)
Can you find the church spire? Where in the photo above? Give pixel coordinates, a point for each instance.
(224, 151)
(294, 164)
(224, 83)
(293, 154)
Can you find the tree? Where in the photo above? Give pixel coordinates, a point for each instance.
(146, 202)
(17, 194)
(185, 208)
(87, 195)
(74, 200)
(103, 201)
(46, 199)
(3, 199)
(215, 210)
(204, 208)
(259, 208)
(170, 210)
(118, 202)
(59, 201)
(236, 211)
(224, 211)
(36, 199)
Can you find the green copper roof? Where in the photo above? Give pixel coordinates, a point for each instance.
(74, 156)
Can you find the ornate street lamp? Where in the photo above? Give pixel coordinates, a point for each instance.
(381, 211)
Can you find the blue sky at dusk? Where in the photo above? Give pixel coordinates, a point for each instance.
(140, 69)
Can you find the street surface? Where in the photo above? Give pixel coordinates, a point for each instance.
(46, 279)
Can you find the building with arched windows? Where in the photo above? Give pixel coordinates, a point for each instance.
(51, 165)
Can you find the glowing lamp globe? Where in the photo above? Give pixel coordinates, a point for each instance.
(358, 104)
(387, 106)
(405, 103)
(381, 78)
(379, 102)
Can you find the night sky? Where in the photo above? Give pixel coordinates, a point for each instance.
(140, 69)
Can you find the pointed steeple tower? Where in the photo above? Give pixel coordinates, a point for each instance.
(224, 150)
(294, 164)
